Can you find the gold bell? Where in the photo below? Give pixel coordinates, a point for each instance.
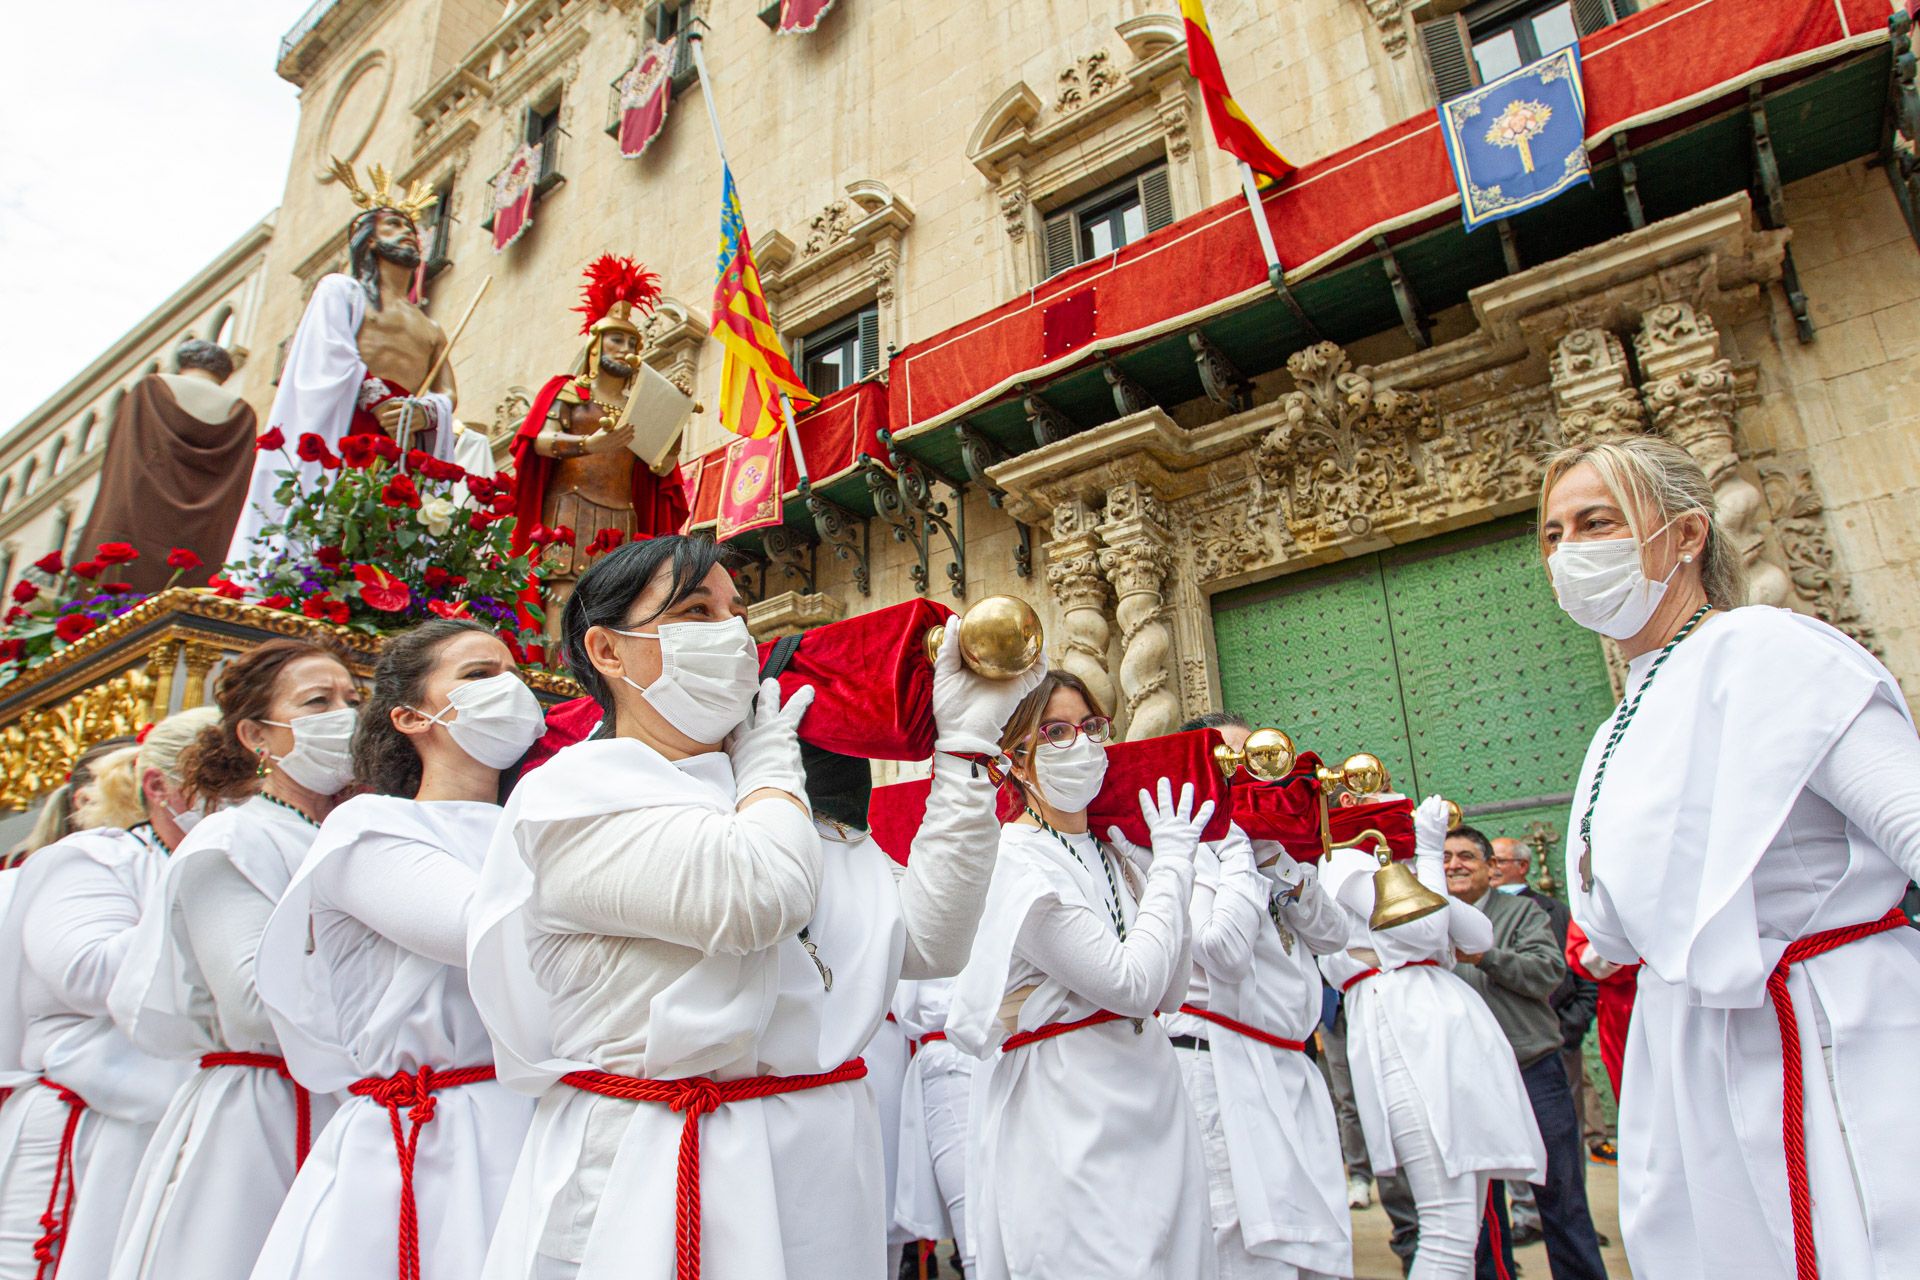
(1361, 773)
(1268, 756)
(1455, 818)
(1000, 638)
(1398, 896)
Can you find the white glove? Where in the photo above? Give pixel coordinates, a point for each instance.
(969, 710)
(1139, 857)
(1174, 829)
(766, 746)
(1235, 851)
(1596, 965)
(1430, 825)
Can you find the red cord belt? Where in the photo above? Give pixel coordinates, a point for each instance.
(1021, 1039)
(1793, 1127)
(413, 1090)
(1250, 1032)
(1364, 974)
(302, 1100)
(59, 1215)
(698, 1096)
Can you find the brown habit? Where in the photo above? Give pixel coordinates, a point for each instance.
(170, 480)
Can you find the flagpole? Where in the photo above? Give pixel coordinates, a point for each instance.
(698, 46)
(1260, 225)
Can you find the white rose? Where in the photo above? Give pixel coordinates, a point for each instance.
(437, 515)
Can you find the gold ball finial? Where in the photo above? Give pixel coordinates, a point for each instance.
(1001, 638)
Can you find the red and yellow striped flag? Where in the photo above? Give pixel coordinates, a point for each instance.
(1231, 129)
(754, 369)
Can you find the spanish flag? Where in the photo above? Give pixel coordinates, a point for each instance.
(1231, 129)
(754, 369)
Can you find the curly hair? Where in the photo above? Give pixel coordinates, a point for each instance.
(216, 766)
(385, 761)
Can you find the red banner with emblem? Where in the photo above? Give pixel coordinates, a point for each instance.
(750, 485)
(798, 17)
(645, 93)
(513, 195)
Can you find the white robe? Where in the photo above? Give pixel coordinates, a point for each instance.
(1458, 1058)
(220, 1162)
(349, 1003)
(1086, 1158)
(1768, 789)
(1289, 1206)
(319, 387)
(938, 1074)
(54, 1024)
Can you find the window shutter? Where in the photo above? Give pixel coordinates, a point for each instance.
(1156, 198)
(1061, 252)
(1591, 15)
(869, 341)
(1449, 52)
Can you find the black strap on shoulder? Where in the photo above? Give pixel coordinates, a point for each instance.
(779, 656)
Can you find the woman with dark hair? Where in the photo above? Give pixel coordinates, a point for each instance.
(226, 1151)
(362, 969)
(1085, 1159)
(670, 952)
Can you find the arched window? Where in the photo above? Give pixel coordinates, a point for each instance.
(113, 405)
(26, 476)
(6, 491)
(87, 424)
(220, 329)
(154, 367)
(55, 454)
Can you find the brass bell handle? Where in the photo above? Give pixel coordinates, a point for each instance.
(1001, 638)
(1384, 852)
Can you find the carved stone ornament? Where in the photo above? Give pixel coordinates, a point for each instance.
(1593, 390)
(510, 412)
(1801, 526)
(829, 225)
(1138, 571)
(1390, 16)
(1085, 80)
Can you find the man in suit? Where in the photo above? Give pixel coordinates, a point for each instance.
(1517, 977)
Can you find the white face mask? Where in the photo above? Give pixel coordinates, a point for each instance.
(494, 720)
(322, 755)
(188, 818)
(1601, 586)
(1070, 776)
(709, 672)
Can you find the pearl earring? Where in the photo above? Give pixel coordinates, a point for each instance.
(1687, 559)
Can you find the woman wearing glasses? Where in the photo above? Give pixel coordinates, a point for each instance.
(1086, 1159)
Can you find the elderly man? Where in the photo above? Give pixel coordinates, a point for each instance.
(1517, 977)
(1575, 999)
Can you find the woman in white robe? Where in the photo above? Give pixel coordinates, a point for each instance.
(930, 1190)
(362, 971)
(1086, 1158)
(221, 1160)
(1752, 817)
(1434, 1078)
(75, 1135)
(673, 913)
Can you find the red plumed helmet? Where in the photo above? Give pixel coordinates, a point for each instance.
(615, 289)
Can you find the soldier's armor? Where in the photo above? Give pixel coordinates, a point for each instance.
(588, 493)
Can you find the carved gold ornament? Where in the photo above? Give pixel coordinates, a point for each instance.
(412, 202)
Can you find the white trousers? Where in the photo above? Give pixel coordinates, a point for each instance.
(948, 1086)
(35, 1119)
(1449, 1207)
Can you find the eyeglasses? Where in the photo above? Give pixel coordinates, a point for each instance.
(1060, 733)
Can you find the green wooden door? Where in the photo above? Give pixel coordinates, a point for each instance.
(1447, 658)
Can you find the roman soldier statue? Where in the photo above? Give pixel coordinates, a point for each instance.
(574, 466)
(357, 362)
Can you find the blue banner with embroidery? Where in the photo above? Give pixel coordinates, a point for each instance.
(1519, 141)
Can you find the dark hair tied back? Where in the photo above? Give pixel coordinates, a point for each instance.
(385, 760)
(606, 592)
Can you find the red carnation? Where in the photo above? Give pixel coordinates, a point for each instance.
(277, 601)
(380, 589)
(12, 650)
(436, 577)
(358, 452)
(115, 553)
(89, 569)
(24, 591)
(441, 609)
(605, 541)
(224, 587)
(50, 563)
(117, 588)
(331, 557)
(273, 438)
(325, 608)
(73, 626)
(182, 559)
(400, 492)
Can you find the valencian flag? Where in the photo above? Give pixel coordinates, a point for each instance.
(1231, 129)
(798, 17)
(754, 370)
(645, 92)
(1519, 141)
(513, 195)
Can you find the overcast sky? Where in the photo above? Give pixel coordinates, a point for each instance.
(140, 139)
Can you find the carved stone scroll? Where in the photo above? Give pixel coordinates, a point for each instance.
(1593, 391)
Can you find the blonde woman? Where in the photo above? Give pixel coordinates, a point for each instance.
(74, 1137)
(1745, 824)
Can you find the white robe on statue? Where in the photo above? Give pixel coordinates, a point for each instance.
(360, 970)
(1086, 1159)
(1768, 789)
(1266, 1118)
(319, 388)
(930, 1188)
(220, 1162)
(72, 917)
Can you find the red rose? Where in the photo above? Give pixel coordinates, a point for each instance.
(400, 492)
(115, 553)
(386, 448)
(337, 612)
(116, 588)
(24, 591)
(331, 557)
(330, 463)
(442, 470)
(73, 626)
(50, 563)
(311, 448)
(561, 533)
(14, 614)
(457, 580)
(380, 589)
(605, 541)
(481, 487)
(540, 535)
(277, 601)
(441, 609)
(358, 452)
(320, 606)
(502, 503)
(479, 520)
(88, 569)
(274, 438)
(436, 577)
(418, 460)
(182, 559)
(12, 650)
(224, 587)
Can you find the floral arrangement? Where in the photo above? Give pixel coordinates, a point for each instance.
(54, 604)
